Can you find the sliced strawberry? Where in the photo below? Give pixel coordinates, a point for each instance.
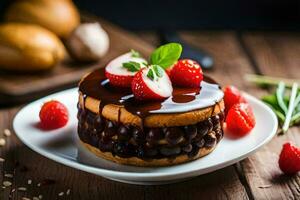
(186, 73)
(232, 96)
(289, 159)
(121, 76)
(145, 88)
(240, 119)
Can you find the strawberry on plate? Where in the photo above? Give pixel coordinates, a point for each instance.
(121, 70)
(289, 159)
(186, 73)
(232, 96)
(151, 83)
(240, 120)
(53, 115)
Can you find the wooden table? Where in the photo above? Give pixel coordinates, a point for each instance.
(257, 177)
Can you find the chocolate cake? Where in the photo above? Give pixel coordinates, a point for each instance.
(116, 126)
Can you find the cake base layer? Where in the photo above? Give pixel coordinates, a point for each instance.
(150, 162)
(130, 144)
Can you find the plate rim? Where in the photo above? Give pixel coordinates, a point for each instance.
(145, 175)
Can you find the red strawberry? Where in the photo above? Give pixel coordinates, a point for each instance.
(119, 80)
(240, 119)
(232, 96)
(186, 73)
(121, 76)
(146, 88)
(53, 114)
(289, 159)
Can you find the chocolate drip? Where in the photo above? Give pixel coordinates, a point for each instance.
(184, 99)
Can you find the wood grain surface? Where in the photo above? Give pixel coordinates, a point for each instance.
(257, 177)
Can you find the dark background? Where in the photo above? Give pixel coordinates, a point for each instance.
(193, 14)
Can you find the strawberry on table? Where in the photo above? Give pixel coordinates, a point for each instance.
(151, 83)
(240, 119)
(53, 115)
(121, 70)
(186, 73)
(232, 96)
(289, 159)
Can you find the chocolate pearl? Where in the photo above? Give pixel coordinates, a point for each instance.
(200, 143)
(215, 120)
(154, 135)
(106, 146)
(187, 148)
(121, 149)
(194, 151)
(204, 127)
(110, 129)
(173, 135)
(219, 134)
(90, 118)
(151, 152)
(94, 138)
(99, 123)
(123, 133)
(140, 152)
(210, 141)
(190, 132)
(138, 135)
(169, 151)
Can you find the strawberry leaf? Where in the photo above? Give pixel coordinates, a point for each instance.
(132, 66)
(135, 54)
(166, 55)
(155, 71)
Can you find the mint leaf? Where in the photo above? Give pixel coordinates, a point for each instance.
(132, 66)
(135, 54)
(155, 71)
(166, 55)
(150, 74)
(158, 70)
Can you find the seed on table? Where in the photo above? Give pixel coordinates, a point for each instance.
(8, 175)
(61, 194)
(40, 196)
(22, 189)
(7, 132)
(29, 182)
(2, 142)
(39, 185)
(7, 183)
(2, 159)
(68, 192)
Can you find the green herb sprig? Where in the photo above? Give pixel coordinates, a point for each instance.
(285, 101)
(160, 59)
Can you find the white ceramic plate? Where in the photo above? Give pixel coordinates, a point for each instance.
(62, 146)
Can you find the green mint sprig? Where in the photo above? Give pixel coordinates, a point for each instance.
(166, 55)
(132, 66)
(160, 59)
(155, 71)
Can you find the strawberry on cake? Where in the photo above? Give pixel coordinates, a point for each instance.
(156, 113)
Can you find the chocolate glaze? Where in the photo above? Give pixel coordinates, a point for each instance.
(97, 86)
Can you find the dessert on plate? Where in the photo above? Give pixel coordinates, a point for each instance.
(157, 113)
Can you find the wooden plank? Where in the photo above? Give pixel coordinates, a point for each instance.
(276, 55)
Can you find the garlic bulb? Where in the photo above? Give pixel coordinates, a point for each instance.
(88, 42)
